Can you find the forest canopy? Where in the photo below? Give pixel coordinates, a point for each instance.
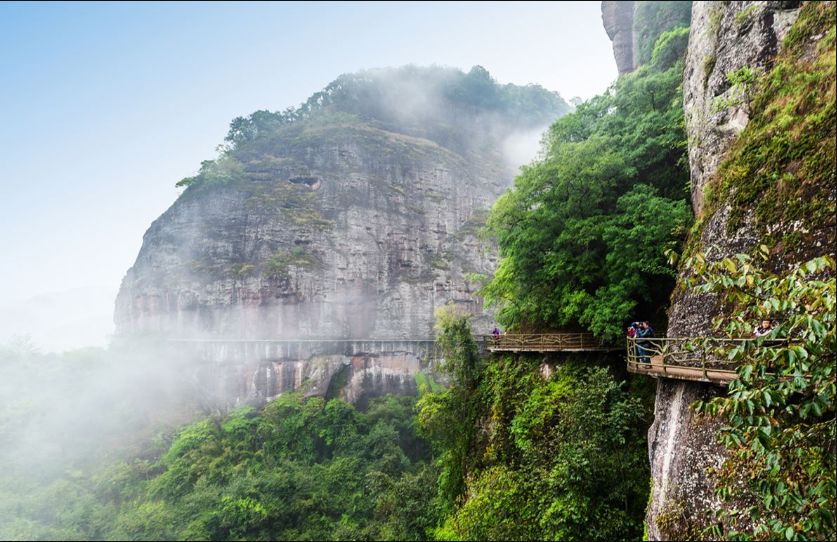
(584, 231)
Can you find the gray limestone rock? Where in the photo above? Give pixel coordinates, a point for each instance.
(618, 20)
(724, 37)
(355, 217)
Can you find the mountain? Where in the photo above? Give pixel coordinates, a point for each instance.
(351, 216)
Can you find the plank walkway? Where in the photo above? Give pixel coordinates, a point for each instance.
(698, 359)
(241, 350)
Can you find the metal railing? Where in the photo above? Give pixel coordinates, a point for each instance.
(544, 342)
(704, 359)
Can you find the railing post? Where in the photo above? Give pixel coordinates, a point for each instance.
(663, 352)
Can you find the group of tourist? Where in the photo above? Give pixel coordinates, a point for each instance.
(641, 330)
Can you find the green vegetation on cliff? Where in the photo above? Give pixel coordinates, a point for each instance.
(583, 232)
(778, 481)
(652, 19)
(429, 102)
(464, 113)
(524, 457)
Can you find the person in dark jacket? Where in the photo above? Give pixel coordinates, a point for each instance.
(766, 328)
(644, 331)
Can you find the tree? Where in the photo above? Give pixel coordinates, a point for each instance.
(583, 232)
(448, 418)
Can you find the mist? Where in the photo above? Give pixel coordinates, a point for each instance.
(75, 397)
(65, 415)
(522, 147)
(433, 101)
(60, 321)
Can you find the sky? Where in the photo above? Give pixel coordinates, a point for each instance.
(105, 106)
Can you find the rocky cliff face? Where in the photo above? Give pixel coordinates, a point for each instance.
(618, 20)
(633, 28)
(237, 371)
(785, 201)
(353, 216)
(722, 41)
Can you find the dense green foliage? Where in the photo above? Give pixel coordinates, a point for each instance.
(448, 418)
(583, 232)
(305, 469)
(427, 101)
(523, 457)
(780, 413)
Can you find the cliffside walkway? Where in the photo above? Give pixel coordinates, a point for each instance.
(294, 349)
(699, 359)
(546, 342)
(221, 350)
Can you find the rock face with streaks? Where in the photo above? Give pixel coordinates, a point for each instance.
(724, 39)
(353, 216)
(731, 46)
(239, 371)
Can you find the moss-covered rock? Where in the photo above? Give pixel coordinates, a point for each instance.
(761, 121)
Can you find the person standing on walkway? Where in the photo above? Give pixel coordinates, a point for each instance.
(765, 328)
(645, 330)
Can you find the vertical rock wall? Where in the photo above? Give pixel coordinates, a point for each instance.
(633, 28)
(725, 37)
(727, 41)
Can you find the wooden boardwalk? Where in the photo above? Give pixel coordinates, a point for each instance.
(425, 347)
(546, 342)
(683, 358)
(658, 368)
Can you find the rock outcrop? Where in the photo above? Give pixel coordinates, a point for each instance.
(723, 40)
(352, 217)
(633, 28)
(618, 20)
(239, 371)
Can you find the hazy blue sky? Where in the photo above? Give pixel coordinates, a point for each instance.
(105, 106)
